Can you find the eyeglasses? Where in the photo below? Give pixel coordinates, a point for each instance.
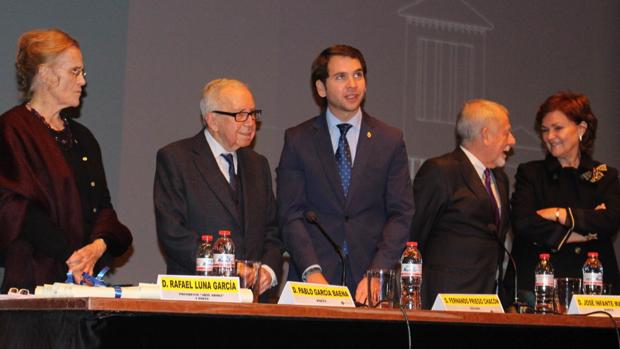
(17, 292)
(78, 71)
(241, 116)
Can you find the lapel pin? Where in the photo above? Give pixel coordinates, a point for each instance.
(369, 134)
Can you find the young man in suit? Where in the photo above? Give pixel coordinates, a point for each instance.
(349, 169)
(214, 181)
(462, 209)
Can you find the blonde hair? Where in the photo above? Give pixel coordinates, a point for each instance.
(36, 47)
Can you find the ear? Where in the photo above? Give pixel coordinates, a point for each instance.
(583, 127)
(210, 121)
(484, 135)
(320, 88)
(43, 72)
(47, 76)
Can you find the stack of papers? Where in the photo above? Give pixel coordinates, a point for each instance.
(64, 290)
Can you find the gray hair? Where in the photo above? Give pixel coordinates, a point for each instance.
(211, 93)
(474, 116)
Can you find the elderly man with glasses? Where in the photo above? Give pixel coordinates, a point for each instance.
(214, 181)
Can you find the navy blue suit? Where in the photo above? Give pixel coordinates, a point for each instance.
(375, 216)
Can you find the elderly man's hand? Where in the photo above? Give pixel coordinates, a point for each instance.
(265, 281)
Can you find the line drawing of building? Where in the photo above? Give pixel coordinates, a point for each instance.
(445, 65)
(445, 57)
(445, 47)
(524, 138)
(414, 165)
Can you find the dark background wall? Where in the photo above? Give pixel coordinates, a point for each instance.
(148, 60)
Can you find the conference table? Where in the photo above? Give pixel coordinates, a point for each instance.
(133, 323)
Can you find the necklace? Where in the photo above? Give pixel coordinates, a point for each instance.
(64, 137)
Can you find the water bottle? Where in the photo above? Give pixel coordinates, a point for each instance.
(204, 256)
(224, 255)
(544, 285)
(411, 276)
(592, 275)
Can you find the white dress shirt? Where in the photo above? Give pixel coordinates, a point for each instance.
(479, 167)
(353, 134)
(218, 150)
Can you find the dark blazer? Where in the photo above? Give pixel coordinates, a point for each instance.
(374, 217)
(455, 229)
(192, 197)
(544, 183)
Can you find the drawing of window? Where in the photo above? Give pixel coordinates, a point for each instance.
(444, 65)
(445, 79)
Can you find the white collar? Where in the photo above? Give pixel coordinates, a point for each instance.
(355, 121)
(478, 165)
(216, 148)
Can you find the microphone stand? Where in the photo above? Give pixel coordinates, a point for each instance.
(312, 218)
(518, 305)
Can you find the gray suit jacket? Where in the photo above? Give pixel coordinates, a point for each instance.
(375, 216)
(455, 229)
(192, 197)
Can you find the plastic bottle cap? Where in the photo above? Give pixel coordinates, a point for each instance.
(224, 232)
(593, 254)
(544, 256)
(412, 244)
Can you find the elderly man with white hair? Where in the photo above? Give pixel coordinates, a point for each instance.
(214, 181)
(461, 201)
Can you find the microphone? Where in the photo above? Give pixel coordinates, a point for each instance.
(518, 305)
(312, 218)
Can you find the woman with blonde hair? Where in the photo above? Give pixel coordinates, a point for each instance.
(55, 210)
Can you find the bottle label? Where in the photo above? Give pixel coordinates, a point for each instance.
(411, 270)
(208, 264)
(201, 264)
(544, 280)
(224, 260)
(593, 279)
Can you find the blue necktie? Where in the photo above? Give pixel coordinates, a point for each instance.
(494, 207)
(343, 158)
(231, 171)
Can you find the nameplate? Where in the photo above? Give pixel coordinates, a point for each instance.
(480, 303)
(584, 304)
(301, 293)
(199, 288)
